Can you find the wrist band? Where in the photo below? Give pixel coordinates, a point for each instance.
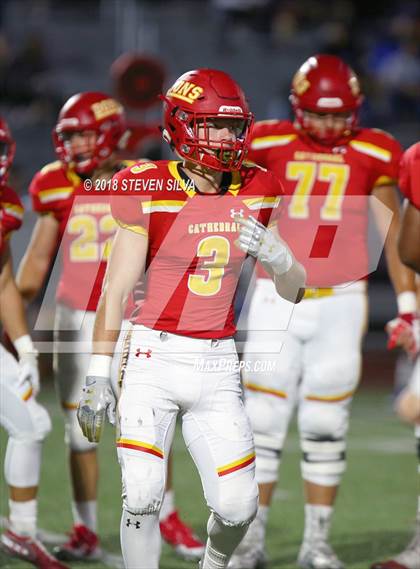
(406, 302)
(24, 345)
(100, 365)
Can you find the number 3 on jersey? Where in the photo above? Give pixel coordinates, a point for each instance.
(218, 248)
(307, 174)
(89, 246)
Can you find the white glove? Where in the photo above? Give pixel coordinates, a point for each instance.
(258, 241)
(97, 399)
(28, 364)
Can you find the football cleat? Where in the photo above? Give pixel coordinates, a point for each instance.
(318, 555)
(250, 553)
(82, 545)
(181, 538)
(30, 550)
(407, 559)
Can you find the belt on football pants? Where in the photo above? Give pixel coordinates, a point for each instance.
(358, 286)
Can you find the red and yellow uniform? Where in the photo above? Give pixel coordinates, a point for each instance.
(11, 214)
(193, 266)
(86, 228)
(325, 220)
(409, 180)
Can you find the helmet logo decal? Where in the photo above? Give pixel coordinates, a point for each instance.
(106, 108)
(230, 109)
(185, 91)
(330, 102)
(300, 83)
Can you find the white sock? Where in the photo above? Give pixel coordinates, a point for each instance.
(168, 505)
(22, 517)
(140, 540)
(317, 522)
(221, 543)
(262, 514)
(85, 513)
(213, 559)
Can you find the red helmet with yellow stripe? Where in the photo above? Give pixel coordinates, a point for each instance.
(202, 99)
(90, 111)
(325, 84)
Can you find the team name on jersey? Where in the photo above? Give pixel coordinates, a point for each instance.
(92, 208)
(318, 157)
(213, 227)
(185, 91)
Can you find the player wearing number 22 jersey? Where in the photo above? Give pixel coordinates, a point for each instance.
(330, 170)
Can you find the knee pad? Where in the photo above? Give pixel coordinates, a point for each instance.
(22, 463)
(73, 435)
(269, 415)
(237, 502)
(143, 482)
(323, 427)
(323, 420)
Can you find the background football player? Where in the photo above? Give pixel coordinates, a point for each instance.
(87, 136)
(25, 420)
(329, 167)
(187, 315)
(408, 403)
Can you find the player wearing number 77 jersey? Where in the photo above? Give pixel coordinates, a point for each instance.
(71, 197)
(192, 236)
(329, 167)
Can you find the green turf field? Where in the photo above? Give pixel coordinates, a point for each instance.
(375, 510)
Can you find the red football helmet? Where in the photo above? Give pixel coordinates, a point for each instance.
(7, 150)
(195, 100)
(324, 84)
(94, 112)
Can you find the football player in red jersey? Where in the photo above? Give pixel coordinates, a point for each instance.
(408, 403)
(88, 133)
(192, 236)
(25, 420)
(329, 167)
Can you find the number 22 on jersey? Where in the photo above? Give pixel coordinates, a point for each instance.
(90, 245)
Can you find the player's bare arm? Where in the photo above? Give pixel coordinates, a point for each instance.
(11, 306)
(402, 278)
(14, 321)
(36, 262)
(408, 243)
(125, 266)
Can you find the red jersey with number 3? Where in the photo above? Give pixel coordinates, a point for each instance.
(326, 211)
(11, 214)
(409, 180)
(86, 228)
(193, 265)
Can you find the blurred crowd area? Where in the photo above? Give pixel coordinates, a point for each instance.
(51, 49)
